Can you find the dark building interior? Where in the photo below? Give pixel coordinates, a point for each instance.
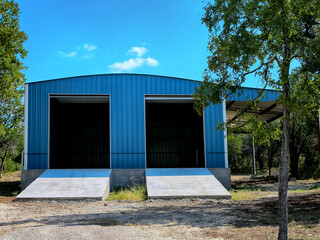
(174, 134)
(79, 133)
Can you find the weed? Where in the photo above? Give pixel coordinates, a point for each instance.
(135, 193)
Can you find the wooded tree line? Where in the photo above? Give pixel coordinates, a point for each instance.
(304, 153)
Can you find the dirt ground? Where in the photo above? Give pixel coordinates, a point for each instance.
(162, 219)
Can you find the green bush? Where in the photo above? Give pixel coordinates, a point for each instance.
(12, 166)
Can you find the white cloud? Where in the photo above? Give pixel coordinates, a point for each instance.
(133, 63)
(70, 55)
(138, 50)
(152, 62)
(128, 65)
(89, 47)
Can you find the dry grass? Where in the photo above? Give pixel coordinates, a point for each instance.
(248, 194)
(11, 176)
(136, 193)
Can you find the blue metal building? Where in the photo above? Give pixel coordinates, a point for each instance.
(126, 97)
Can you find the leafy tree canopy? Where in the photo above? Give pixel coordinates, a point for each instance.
(11, 78)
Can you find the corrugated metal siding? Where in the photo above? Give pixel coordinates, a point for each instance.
(214, 140)
(251, 93)
(127, 115)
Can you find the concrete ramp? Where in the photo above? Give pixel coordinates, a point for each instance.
(183, 182)
(68, 184)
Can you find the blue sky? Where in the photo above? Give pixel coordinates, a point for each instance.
(73, 38)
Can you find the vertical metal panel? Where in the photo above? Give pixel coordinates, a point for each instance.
(127, 115)
(214, 139)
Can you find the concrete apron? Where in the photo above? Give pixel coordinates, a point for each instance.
(68, 184)
(183, 182)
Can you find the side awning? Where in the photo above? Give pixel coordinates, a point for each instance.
(269, 110)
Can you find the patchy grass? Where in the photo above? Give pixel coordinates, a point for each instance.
(247, 194)
(297, 191)
(136, 193)
(10, 175)
(312, 187)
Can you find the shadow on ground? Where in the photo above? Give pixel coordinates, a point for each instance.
(9, 188)
(304, 209)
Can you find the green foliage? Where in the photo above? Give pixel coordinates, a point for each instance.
(135, 193)
(11, 81)
(12, 51)
(239, 154)
(12, 166)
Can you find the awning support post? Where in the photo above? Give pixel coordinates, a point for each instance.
(254, 172)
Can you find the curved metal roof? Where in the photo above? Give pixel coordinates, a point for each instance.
(110, 74)
(131, 74)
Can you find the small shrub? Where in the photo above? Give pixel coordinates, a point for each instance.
(12, 166)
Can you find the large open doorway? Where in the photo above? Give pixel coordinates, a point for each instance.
(79, 132)
(174, 134)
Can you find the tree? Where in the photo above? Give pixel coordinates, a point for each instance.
(270, 39)
(239, 153)
(11, 79)
(303, 133)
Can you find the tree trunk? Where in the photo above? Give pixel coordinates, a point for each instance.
(284, 162)
(283, 179)
(3, 162)
(294, 155)
(269, 160)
